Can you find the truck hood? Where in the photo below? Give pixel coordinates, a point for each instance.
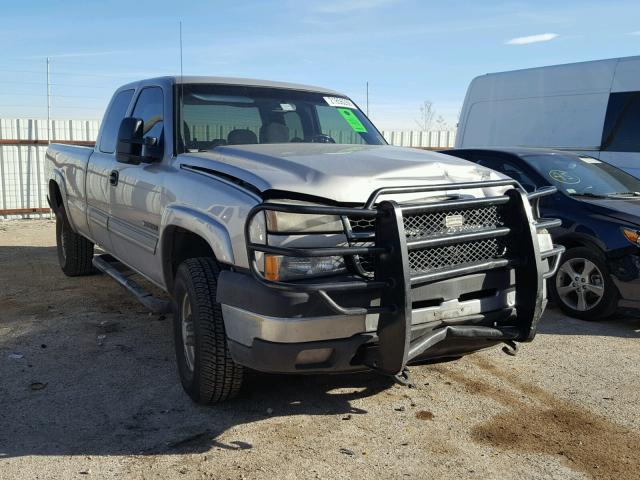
(342, 173)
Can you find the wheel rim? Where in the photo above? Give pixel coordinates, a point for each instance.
(188, 333)
(580, 284)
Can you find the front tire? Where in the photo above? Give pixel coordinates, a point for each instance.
(582, 287)
(75, 253)
(207, 371)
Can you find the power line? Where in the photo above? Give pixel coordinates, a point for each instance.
(77, 74)
(23, 94)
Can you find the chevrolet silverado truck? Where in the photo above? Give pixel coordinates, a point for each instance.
(291, 238)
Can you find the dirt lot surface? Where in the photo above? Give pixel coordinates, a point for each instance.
(89, 389)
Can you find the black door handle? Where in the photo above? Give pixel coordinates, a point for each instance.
(113, 177)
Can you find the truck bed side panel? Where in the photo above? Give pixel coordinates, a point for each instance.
(68, 164)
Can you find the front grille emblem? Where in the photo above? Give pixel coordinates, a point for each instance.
(453, 221)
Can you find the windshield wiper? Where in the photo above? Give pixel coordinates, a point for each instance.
(624, 194)
(586, 194)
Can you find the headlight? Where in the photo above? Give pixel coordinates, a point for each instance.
(632, 235)
(281, 268)
(282, 222)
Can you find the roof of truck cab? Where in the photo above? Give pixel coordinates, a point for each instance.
(190, 79)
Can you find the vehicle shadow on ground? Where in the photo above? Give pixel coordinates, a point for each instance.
(85, 370)
(624, 324)
(161, 419)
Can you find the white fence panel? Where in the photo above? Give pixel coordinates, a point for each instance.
(22, 172)
(421, 139)
(22, 177)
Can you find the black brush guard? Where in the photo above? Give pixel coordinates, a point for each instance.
(394, 280)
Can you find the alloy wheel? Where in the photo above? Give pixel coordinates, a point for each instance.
(188, 332)
(580, 284)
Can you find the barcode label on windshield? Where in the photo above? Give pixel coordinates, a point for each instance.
(339, 102)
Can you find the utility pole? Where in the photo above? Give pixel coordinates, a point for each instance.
(367, 98)
(48, 101)
(180, 50)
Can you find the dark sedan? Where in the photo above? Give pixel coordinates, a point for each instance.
(599, 206)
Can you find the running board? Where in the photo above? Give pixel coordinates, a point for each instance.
(121, 274)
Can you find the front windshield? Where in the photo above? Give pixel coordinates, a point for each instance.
(584, 175)
(214, 115)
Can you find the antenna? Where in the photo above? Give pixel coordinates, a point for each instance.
(181, 105)
(367, 98)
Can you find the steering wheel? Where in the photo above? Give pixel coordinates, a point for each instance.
(322, 138)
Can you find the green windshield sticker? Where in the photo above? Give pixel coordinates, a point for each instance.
(352, 120)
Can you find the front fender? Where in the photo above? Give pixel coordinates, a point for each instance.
(202, 224)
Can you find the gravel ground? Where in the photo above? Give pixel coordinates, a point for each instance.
(89, 389)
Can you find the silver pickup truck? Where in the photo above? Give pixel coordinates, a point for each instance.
(291, 238)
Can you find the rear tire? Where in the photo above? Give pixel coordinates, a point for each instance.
(207, 371)
(75, 253)
(582, 287)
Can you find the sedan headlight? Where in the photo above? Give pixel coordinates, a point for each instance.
(632, 235)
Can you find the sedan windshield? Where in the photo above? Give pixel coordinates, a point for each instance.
(585, 176)
(214, 115)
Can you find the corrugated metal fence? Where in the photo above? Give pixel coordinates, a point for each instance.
(434, 139)
(23, 142)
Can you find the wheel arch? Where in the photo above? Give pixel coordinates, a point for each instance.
(57, 196)
(188, 233)
(574, 240)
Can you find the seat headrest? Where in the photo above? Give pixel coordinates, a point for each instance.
(241, 137)
(274, 133)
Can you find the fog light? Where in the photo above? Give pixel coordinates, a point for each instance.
(315, 355)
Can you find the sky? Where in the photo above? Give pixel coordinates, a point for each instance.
(409, 51)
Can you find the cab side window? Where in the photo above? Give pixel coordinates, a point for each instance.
(622, 123)
(149, 108)
(112, 119)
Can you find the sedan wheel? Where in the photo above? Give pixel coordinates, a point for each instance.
(579, 284)
(583, 287)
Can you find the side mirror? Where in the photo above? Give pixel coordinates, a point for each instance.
(130, 141)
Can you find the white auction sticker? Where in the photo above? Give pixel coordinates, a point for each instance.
(339, 102)
(590, 160)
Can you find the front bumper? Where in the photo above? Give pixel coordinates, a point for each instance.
(273, 331)
(625, 272)
(398, 314)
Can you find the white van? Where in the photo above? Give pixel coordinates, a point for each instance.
(589, 107)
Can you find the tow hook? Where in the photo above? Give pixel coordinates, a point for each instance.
(510, 348)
